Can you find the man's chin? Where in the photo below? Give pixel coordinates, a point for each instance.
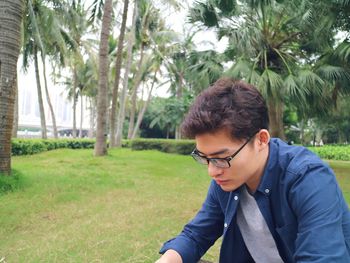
(228, 188)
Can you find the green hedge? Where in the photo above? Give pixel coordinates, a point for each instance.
(164, 145)
(32, 146)
(332, 152)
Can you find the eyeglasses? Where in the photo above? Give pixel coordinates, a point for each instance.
(218, 162)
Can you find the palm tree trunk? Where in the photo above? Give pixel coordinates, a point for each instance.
(75, 85)
(276, 119)
(15, 118)
(179, 95)
(40, 96)
(81, 114)
(10, 20)
(49, 100)
(121, 112)
(143, 110)
(118, 65)
(92, 117)
(134, 93)
(101, 130)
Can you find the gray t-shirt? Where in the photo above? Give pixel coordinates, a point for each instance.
(255, 232)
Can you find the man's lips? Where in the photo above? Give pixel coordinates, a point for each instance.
(220, 182)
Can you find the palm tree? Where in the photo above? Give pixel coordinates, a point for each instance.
(144, 107)
(171, 111)
(32, 40)
(101, 131)
(43, 33)
(161, 43)
(273, 45)
(178, 66)
(112, 133)
(149, 70)
(11, 12)
(87, 75)
(128, 60)
(90, 81)
(74, 15)
(149, 22)
(40, 96)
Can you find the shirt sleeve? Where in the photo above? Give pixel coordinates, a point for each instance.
(320, 210)
(201, 233)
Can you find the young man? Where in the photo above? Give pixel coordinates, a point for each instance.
(270, 201)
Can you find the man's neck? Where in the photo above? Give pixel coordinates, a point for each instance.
(254, 182)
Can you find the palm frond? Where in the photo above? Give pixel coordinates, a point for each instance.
(96, 10)
(271, 84)
(343, 50)
(309, 80)
(204, 13)
(227, 7)
(333, 73)
(294, 90)
(241, 69)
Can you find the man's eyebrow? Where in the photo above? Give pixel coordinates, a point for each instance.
(214, 153)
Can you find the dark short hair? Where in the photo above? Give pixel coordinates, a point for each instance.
(227, 104)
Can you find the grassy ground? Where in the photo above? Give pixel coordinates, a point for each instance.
(72, 207)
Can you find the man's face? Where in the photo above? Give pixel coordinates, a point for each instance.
(244, 166)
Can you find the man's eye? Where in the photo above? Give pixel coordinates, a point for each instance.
(219, 160)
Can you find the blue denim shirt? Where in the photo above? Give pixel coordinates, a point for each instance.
(301, 202)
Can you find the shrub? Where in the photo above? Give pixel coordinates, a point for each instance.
(332, 152)
(126, 143)
(32, 146)
(24, 147)
(164, 145)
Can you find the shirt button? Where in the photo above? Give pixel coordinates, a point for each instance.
(236, 197)
(225, 225)
(267, 190)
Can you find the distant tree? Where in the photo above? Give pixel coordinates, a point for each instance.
(170, 112)
(127, 66)
(78, 27)
(146, 23)
(43, 35)
(118, 66)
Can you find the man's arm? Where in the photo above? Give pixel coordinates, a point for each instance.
(170, 256)
(320, 208)
(201, 233)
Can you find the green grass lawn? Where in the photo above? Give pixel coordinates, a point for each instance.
(72, 207)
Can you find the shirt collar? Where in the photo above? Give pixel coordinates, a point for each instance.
(271, 169)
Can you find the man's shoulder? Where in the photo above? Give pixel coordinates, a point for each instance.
(294, 159)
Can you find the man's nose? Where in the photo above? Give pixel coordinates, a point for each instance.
(214, 171)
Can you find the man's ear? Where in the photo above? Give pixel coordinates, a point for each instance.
(263, 137)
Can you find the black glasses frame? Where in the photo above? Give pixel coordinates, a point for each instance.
(195, 154)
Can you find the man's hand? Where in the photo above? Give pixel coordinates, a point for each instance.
(170, 256)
